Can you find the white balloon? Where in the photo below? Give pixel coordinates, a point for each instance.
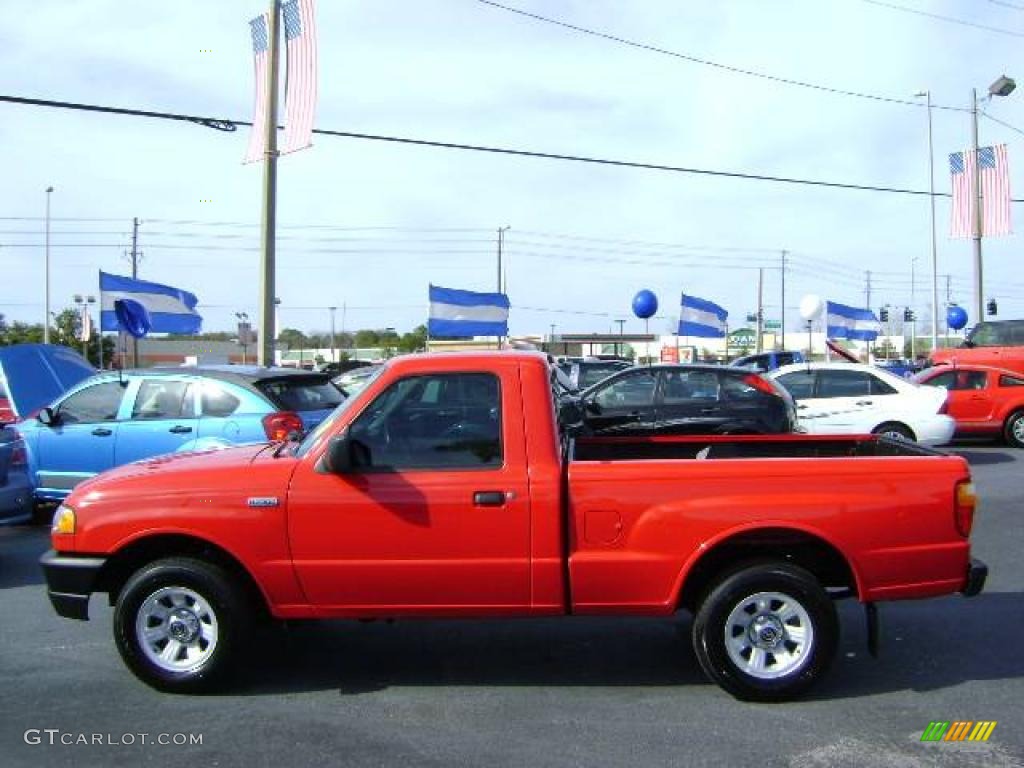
(811, 306)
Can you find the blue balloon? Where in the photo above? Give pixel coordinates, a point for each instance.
(956, 317)
(645, 304)
(132, 317)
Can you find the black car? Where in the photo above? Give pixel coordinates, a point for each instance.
(686, 399)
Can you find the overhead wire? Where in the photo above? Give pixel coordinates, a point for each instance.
(515, 152)
(937, 16)
(706, 62)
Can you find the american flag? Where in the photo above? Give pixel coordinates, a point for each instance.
(261, 52)
(995, 192)
(300, 86)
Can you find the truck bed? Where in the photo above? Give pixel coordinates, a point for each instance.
(704, 447)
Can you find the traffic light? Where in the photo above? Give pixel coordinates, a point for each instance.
(992, 308)
(908, 315)
(883, 314)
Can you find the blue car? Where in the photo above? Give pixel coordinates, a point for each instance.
(123, 416)
(31, 375)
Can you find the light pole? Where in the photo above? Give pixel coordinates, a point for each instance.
(931, 200)
(332, 310)
(618, 346)
(913, 310)
(46, 316)
(1004, 86)
(243, 332)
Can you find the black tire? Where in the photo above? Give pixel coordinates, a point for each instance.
(896, 430)
(1013, 430)
(725, 662)
(222, 618)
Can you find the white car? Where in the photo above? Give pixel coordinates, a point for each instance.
(853, 398)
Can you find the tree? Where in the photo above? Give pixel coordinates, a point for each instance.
(415, 341)
(367, 338)
(293, 339)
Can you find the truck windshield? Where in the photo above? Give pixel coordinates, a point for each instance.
(325, 426)
(1002, 333)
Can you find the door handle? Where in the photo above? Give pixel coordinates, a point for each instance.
(489, 499)
(709, 410)
(179, 430)
(801, 407)
(102, 432)
(864, 402)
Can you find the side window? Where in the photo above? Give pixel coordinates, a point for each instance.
(164, 399)
(96, 403)
(844, 383)
(974, 379)
(1010, 381)
(880, 387)
(636, 389)
(443, 421)
(216, 402)
(784, 358)
(947, 380)
(684, 386)
(799, 384)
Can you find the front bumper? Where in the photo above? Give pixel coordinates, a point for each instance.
(977, 572)
(70, 580)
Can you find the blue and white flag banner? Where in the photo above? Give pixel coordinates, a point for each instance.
(467, 313)
(703, 318)
(843, 322)
(171, 310)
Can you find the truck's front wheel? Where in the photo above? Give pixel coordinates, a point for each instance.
(178, 623)
(766, 633)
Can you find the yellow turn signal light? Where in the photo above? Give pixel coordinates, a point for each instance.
(64, 520)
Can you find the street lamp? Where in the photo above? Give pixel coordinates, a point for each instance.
(243, 332)
(1004, 86)
(46, 317)
(931, 200)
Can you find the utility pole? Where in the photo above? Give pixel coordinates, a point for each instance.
(268, 288)
(782, 311)
(135, 276)
(618, 346)
(867, 288)
(501, 243)
(333, 310)
(977, 200)
(760, 310)
(46, 309)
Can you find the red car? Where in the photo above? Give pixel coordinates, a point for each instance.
(983, 400)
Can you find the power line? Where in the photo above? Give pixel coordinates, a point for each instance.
(706, 62)
(1002, 123)
(1007, 5)
(511, 152)
(937, 16)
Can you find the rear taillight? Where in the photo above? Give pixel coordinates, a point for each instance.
(944, 408)
(964, 507)
(760, 384)
(18, 456)
(281, 424)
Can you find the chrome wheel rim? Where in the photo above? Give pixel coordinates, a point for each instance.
(769, 635)
(176, 629)
(1018, 429)
(894, 434)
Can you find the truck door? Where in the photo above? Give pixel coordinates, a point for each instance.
(435, 515)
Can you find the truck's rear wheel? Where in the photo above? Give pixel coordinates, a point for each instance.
(766, 633)
(179, 623)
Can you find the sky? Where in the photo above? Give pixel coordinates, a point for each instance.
(367, 225)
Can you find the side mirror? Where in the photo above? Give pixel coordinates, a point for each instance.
(591, 406)
(338, 458)
(47, 417)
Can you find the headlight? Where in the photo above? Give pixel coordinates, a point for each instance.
(64, 520)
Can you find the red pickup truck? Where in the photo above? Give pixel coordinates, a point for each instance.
(449, 487)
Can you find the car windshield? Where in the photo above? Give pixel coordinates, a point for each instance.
(302, 393)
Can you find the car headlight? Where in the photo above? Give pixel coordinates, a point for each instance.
(64, 520)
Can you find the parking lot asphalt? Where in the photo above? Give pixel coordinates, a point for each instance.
(573, 692)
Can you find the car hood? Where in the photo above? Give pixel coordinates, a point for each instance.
(37, 374)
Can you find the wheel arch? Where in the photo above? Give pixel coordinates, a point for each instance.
(147, 549)
(806, 549)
